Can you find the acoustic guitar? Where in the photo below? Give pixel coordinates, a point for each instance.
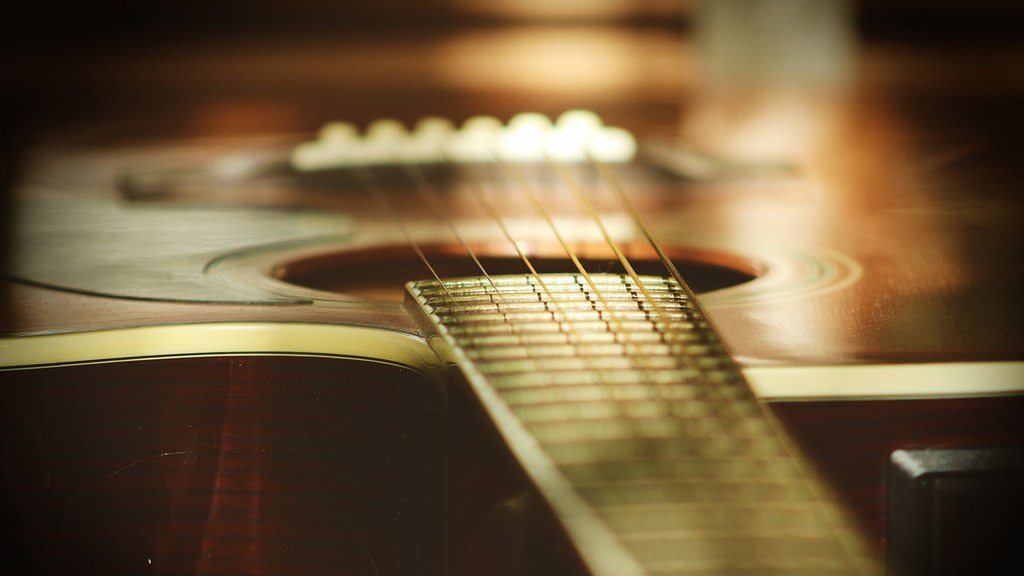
(527, 348)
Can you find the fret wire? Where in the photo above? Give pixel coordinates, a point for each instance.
(573, 184)
(623, 453)
(492, 211)
(555, 300)
(813, 480)
(615, 183)
(575, 187)
(480, 193)
(428, 191)
(595, 217)
(527, 187)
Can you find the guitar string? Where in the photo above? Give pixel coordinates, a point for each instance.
(369, 182)
(799, 473)
(479, 192)
(577, 189)
(811, 480)
(619, 190)
(717, 397)
(613, 321)
(527, 186)
(608, 174)
(427, 190)
(423, 183)
(660, 313)
(530, 192)
(430, 194)
(611, 177)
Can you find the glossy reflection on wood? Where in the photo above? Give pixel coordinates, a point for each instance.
(246, 465)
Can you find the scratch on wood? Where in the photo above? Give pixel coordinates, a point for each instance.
(122, 469)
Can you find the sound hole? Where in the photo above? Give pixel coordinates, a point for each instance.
(381, 272)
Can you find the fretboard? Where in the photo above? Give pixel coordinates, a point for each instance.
(637, 427)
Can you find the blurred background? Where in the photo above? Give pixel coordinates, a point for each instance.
(124, 69)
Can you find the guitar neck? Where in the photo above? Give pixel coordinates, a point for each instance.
(636, 427)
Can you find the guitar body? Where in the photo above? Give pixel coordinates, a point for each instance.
(208, 367)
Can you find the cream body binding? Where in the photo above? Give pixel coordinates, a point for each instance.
(770, 383)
